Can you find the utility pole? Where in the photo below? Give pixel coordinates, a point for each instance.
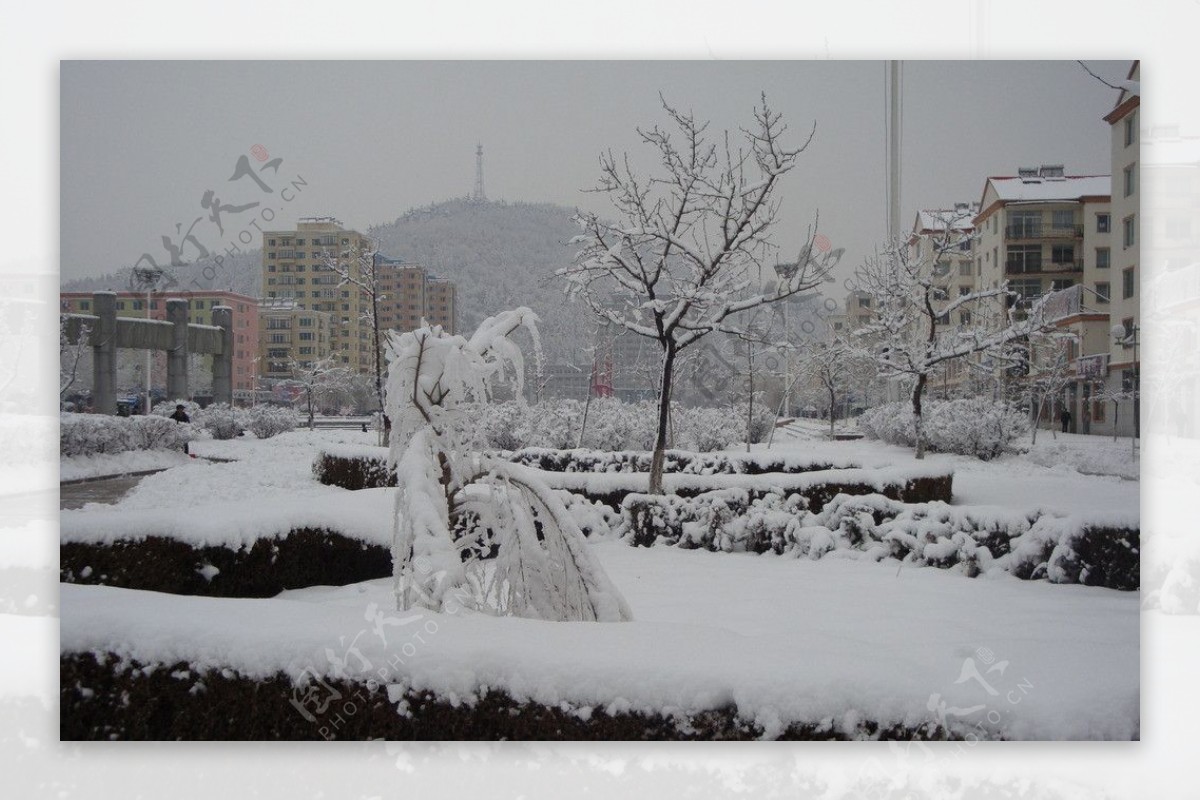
(893, 70)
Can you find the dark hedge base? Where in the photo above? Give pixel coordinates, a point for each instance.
(103, 702)
(304, 558)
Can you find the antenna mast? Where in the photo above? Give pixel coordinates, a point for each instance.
(478, 195)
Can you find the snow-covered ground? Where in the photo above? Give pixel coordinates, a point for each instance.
(783, 639)
(1075, 474)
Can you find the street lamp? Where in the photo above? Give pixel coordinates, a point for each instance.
(1127, 336)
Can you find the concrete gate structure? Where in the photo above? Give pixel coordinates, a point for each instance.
(175, 335)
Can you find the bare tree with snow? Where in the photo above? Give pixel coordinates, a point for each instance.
(836, 366)
(359, 268)
(1051, 370)
(70, 353)
(457, 505)
(914, 328)
(686, 254)
(321, 382)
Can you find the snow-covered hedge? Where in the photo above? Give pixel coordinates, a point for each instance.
(90, 434)
(353, 471)
(362, 467)
(265, 421)
(583, 460)
(973, 540)
(968, 426)
(612, 425)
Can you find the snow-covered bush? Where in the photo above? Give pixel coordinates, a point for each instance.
(91, 434)
(220, 420)
(972, 541)
(266, 421)
(969, 426)
(459, 508)
(167, 408)
(612, 425)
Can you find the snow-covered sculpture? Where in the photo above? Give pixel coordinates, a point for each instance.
(455, 505)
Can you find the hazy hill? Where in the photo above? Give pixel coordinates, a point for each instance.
(499, 254)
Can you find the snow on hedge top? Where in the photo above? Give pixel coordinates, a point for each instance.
(364, 515)
(1063, 661)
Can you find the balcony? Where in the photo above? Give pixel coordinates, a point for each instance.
(1039, 267)
(1027, 231)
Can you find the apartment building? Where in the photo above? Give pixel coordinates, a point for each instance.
(295, 270)
(1042, 230)
(296, 276)
(409, 295)
(1123, 377)
(1050, 234)
(200, 306)
(291, 335)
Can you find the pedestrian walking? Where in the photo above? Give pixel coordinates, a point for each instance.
(180, 415)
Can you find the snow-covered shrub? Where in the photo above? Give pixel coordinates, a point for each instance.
(968, 426)
(266, 421)
(221, 420)
(167, 408)
(721, 520)
(969, 540)
(91, 434)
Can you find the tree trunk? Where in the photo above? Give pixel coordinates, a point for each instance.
(1037, 416)
(918, 390)
(750, 404)
(664, 410)
(832, 404)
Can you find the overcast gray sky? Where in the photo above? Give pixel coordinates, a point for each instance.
(143, 141)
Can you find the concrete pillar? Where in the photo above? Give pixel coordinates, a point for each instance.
(222, 363)
(104, 353)
(177, 356)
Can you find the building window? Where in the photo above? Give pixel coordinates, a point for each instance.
(1059, 284)
(1103, 291)
(864, 303)
(1023, 259)
(138, 305)
(1130, 180)
(1103, 258)
(1127, 283)
(1129, 231)
(1102, 223)
(1127, 323)
(1026, 287)
(1062, 254)
(963, 291)
(85, 305)
(1064, 218)
(964, 318)
(306, 336)
(1130, 129)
